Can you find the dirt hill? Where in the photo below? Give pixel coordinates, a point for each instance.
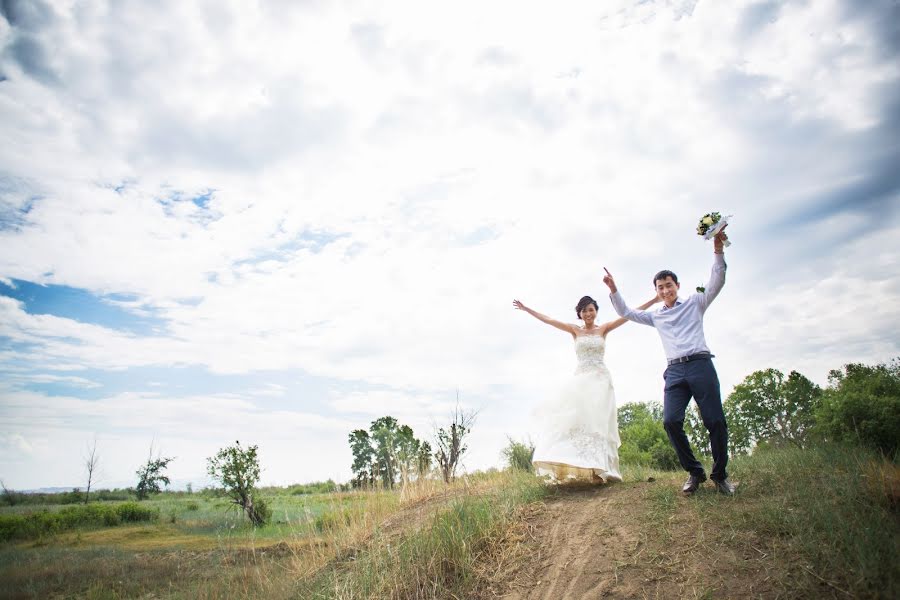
(639, 540)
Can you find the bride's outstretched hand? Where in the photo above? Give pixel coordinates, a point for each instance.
(609, 281)
(518, 305)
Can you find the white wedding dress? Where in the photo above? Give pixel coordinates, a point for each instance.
(579, 431)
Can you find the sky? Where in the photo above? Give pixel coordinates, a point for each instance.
(275, 221)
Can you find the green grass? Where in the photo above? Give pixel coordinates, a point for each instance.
(43, 523)
(827, 518)
(831, 505)
(828, 514)
(208, 550)
(441, 559)
(197, 514)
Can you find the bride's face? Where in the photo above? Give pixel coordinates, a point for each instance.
(588, 314)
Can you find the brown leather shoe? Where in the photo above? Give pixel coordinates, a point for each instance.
(724, 486)
(693, 482)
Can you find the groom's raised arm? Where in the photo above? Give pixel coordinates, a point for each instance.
(638, 316)
(717, 276)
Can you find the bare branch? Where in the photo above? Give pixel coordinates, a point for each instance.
(91, 462)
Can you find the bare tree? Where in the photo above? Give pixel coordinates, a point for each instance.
(450, 441)
(91, 460)
(10, 497)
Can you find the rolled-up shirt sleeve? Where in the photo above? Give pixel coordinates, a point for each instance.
(622, 309)
(716, 281)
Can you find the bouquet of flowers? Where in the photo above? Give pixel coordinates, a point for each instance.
(711, 224)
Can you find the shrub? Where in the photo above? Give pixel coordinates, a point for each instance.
(263, 511)
(334, 520)
(519, 455)
(131, 512)
(862, 405)
(316, 487)
(644, 441)
(37, 524)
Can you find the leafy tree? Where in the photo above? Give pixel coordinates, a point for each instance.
(237, 470)
(519, 456)
(385, 439)
(695, 430)
(386, 452)
(406, 452)
(451, 442)
(862, 404)
(772, 409)
(644, 440)
(635, 412)
(423, 460)
(151, 475)
(363, 458)
(740, 438)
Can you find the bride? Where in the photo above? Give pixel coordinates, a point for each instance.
(580, 438)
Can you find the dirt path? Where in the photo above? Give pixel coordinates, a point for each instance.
(637, 540)
(581, 540)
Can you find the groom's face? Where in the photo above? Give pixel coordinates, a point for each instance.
(667, 290)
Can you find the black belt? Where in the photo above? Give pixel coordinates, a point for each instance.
(684, 359)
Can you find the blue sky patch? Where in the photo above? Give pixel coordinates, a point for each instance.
(314, 241)
(81, 305)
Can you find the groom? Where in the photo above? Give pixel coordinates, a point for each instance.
(679, 323)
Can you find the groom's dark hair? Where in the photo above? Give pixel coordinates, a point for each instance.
(584, 303)
(663, 274)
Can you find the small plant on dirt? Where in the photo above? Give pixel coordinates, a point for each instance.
(237, 469)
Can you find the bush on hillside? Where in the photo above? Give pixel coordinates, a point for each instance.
(862, 405)
(519, 455)
(644, 441)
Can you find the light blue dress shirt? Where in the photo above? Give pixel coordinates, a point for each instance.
(681, 327)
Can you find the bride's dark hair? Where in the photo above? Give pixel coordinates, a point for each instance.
(584, 303)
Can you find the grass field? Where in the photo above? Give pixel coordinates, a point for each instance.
(200, 547)
(813, 523)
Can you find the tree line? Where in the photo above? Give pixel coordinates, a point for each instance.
(389, 453)
(860, 405)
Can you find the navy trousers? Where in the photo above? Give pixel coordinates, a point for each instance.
(697, 378)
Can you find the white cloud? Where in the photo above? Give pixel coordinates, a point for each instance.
(191, 427)
(384, 178)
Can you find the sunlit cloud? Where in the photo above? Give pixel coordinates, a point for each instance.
(356, 192)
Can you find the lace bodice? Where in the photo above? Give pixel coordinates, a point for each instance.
(589, 350)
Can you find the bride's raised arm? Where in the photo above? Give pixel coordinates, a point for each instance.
(607, 327)
(545, 319)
